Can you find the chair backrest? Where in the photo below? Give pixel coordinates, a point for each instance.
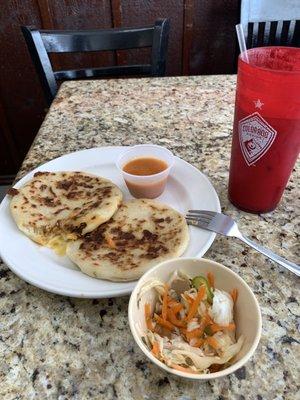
(262, 27)
(269, 10)
(272, 33)
(42, 42)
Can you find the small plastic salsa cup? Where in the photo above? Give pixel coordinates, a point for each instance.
(146, 186)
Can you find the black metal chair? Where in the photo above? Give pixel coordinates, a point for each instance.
(272, 33)
(42, 42)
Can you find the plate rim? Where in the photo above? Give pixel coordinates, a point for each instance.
(93, 294)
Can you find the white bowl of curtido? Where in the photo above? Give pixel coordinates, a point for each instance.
(195, 318)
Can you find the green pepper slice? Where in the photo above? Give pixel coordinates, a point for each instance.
(201, 280)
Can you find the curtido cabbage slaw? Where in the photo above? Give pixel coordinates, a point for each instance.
(191, 326)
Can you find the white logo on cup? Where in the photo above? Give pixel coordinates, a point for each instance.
(256, 137)
(258, 103)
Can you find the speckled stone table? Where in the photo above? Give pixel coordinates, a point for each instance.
(61, 348)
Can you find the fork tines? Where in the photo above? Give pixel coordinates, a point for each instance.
(202, 216)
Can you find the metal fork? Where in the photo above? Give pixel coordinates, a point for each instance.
(225, 225)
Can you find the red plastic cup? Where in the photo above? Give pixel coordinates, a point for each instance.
(266, 131)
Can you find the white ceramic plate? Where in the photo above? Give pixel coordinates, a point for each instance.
(187, 188)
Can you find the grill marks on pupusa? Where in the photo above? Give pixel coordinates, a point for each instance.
(63, 205)
(82, 214)
(139, 235)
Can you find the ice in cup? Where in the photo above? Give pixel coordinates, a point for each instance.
(145, 169)
(266, 132)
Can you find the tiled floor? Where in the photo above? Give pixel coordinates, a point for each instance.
(3, 190)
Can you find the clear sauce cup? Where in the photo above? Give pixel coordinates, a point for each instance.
(146, 186)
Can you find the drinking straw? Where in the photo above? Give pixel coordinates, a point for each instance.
(242, 42)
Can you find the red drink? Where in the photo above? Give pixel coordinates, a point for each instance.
(266, 132)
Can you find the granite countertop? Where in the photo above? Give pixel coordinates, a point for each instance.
(62, 348)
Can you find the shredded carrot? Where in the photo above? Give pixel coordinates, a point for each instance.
(155, 349)
(216, 327)
(164, 323)
(234, 294)
(165, 303)
(147, 310)
(188, 298)
(212, 342)
(183, 369)
(172, 303)
(230, 327)
(197, 342)
(199, 331)
(194, 333)
(150, 325)
(207, 319)
(211, 279)
(148, 317)
(171, 314)
(176, 308)
(194, 307)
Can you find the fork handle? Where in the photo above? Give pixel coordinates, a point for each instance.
(280, 260)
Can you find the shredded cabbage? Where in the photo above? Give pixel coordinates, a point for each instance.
(202, 362)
